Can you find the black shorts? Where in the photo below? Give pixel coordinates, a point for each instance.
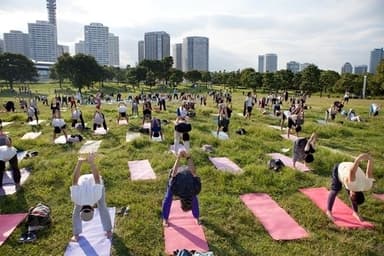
(291, 123)
(123, 114)
(249, 109)
(336, 184)
(58, 129)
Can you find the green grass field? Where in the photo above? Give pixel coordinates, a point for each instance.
(230, 228)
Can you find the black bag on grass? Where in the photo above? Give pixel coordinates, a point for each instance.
(275, 164)
(39, 217)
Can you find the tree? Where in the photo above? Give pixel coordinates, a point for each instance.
(166, 64)
(328, 79)
(16, 67)
(284, 79)
(176, 76)
(205, 77)
(269, 81)
(61, 69)
(376, 82)
(150, 79)
(193, 76)
(310, 79)
(249, 78)
(84, 71)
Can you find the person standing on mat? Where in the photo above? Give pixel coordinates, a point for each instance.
(122, 109)
(99, 119)
(184, 183)
(222, 118)
(8, 153)
(86, 191)
(59, 126)
(303, 149)
(354, 180)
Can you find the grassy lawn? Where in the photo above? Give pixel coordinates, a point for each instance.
(230, 228)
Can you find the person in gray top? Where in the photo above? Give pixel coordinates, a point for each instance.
(303, 149)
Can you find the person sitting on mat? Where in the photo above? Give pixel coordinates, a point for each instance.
(184, 183)
(122, 109)
(352, 116)
(58, 126)
(155, 130)
(8, 153)
(86, 191)
(77, 116)
(303, 148)
(99, 119)
(354, 180)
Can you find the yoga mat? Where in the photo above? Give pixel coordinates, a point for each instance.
(141, 170)
(100, 131)
(61, 139)
(342, 214)
(180, 147)
(130, 136)
(276, 127)
(379, 196)
(278, 223)
(21, 155)
(157, 139)
(320, 121)
(289, 162)
(183, 232)
(31, 135)
(79, 126)
(224, 164)
(8, 223)
(93, 240)
(8, 183)
(90, 146)
(147, 126)
(6, 123)
(35, 123)
(123, 122)
(222, 135)
(291, 137)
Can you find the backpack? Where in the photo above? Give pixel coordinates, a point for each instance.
(39, 217)
(275, 164)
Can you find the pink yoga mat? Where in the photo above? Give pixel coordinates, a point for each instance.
(183, 232)
(224, 164)
(275, 219)
(141, 170)
(291, 137)
(342, 214)
(288, 162)
(8, 223)
(379, 196)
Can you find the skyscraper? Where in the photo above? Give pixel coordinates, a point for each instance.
(80, 47)
(195, 53)
(97, 42)
(156, 45)
(140, 49)
(346, 68)
(270, 62)
(17, 42)
(376, 56)
(261, 64)
(293, 66)
(43, 41)
(61, 49)
(177, 56)
(361, 69)
(114, 51)
(51, 7)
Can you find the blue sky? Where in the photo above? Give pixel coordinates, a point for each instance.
(327, 33)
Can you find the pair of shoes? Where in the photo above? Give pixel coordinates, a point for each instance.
(126, 212)
(123, 211)
(28, 237)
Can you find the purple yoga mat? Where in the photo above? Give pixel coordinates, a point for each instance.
(278, 223)
(93, 240)
(288, 162)
(183, 232)
(141, 170)
(224, 164)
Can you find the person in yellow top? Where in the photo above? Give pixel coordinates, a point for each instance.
(354, 180)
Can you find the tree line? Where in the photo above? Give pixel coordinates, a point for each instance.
(84, 71)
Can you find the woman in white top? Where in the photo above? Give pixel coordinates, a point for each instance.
(354, 180)
(58, 125)
(8, 153)
(122, 109)
(248, 105)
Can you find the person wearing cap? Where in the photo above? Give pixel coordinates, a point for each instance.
(86, 191)
(303, 149)
(185, 184)
(354, 180)
(8, 153)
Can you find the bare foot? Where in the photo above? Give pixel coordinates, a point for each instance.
(75, 238)
(165, 223)
(329, 215)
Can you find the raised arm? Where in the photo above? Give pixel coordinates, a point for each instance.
(191, 165)
(359, 158)
(76, 171)
(95, 171)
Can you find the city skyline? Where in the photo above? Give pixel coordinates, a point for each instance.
(326, 33)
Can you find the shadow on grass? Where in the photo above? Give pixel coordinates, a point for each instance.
(120, 247)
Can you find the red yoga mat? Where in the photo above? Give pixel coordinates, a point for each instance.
(183, 232)
(8, 223)
(289, 162)
(342, 214)
(278, 223)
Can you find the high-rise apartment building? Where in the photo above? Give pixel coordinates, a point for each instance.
(156, 45)
(376, 56)
(96, 40)
(177, 56)
(42, 41)
(195, 53)
(80, 47)
(61, 49)
(270, 62)
(361, 69)
(51, 7)
(114, 51)
(1, 45)
(261, 64)
(17, 42)
(140, 51)
(346, 68)
(293, 66)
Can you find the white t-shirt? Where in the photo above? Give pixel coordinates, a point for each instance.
(98, 118)
(6, 153)
(361, 183)
(57, 122)
(122, 109)
(76, 114)
(86, 192)
(249, 101)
